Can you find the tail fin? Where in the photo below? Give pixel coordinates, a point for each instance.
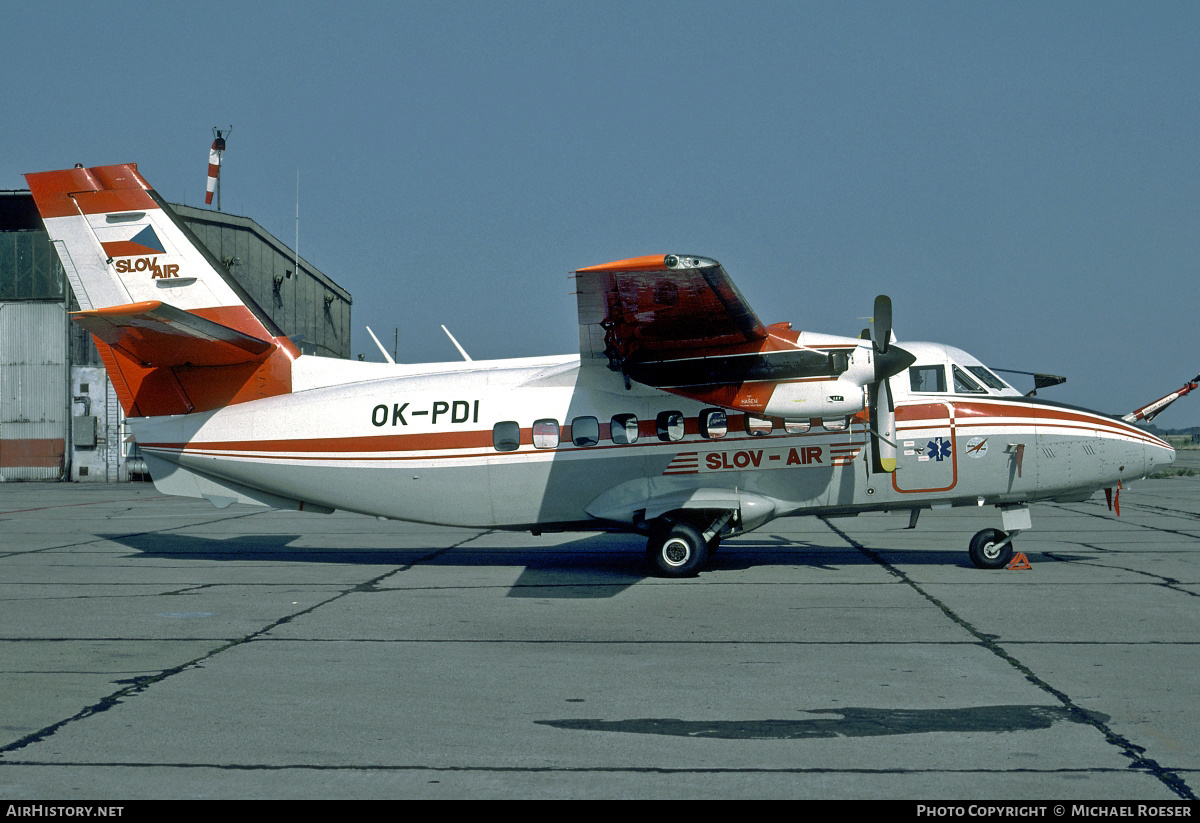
(176, 332)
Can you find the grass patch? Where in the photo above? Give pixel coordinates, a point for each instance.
(1181, 471)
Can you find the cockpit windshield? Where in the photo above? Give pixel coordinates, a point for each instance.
(963, 384)
(942, 369)
(990, 380)
(931, 379)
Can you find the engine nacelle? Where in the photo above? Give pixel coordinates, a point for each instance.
(819, 398)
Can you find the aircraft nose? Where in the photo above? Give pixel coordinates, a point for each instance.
(1159, 455)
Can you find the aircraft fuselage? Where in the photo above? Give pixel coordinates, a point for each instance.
(585, 452)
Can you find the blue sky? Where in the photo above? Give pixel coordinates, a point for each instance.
(1021, 178)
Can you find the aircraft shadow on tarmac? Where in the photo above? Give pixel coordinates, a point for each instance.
(595, 566)
(846, 722)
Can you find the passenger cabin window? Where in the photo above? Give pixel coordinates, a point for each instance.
(713, 423)
(623, 429)
(835, 424)
(506, 436)
(758, 426)
(670, 425)
(545, 434)
(964, 384)
(585, 431)
(796, 426)
(927, 378)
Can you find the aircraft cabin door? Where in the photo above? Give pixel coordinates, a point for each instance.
(927, 457)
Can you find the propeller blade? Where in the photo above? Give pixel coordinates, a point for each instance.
(889, 360)
(881, 323)
(882, 413)
(886, 429)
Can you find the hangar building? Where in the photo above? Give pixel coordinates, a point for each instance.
(59, 416)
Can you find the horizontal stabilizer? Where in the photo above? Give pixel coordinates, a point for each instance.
(157, 334)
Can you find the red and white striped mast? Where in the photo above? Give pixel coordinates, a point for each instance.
(214, 167)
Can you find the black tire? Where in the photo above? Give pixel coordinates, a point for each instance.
(984, 552)
(679, 551)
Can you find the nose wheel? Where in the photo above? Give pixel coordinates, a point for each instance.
(991, 549)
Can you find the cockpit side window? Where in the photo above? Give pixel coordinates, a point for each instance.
(963, 384)
(927, 378)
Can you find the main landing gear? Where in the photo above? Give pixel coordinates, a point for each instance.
(680, 548)
(677, 551)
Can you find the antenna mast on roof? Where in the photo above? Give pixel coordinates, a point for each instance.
(296, 251)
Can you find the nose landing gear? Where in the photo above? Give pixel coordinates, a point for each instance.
(991, 549)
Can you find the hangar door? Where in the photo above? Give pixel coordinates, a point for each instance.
(33, 390)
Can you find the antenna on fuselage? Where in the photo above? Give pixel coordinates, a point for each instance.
(386, 356)
(461, 350)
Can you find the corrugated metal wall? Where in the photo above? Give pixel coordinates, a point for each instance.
(33, 391)
(303, 303)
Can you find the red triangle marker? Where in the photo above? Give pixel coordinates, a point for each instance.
(1019, 561)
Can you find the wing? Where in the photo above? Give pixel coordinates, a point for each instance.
(662, 307)
(677, 323)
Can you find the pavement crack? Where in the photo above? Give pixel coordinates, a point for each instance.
(372, 585)
(140, 684)
(1104, 515)
(1136, 754)
(1170, 583)
(394, 768)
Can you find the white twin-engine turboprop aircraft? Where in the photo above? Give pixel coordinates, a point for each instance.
(683, 417)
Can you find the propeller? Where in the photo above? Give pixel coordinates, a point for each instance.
(889, 360)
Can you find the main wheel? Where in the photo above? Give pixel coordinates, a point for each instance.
(986, 553)
(679, 551)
